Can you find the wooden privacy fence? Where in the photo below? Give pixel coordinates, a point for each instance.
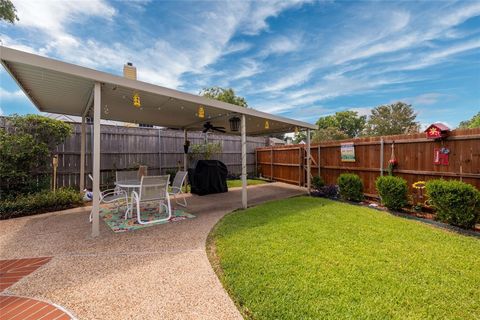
(415, 155)
(160, 150)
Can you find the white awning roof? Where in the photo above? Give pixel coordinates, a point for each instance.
(58, 87)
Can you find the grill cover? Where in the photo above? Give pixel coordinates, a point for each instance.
(209, 176)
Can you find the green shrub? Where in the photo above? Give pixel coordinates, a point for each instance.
(456, 202)
(317, 183)
(40, 202)
(350, 187)
(393, 191)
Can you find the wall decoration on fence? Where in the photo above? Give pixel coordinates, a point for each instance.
(437, 131)
(440, 156)
(347, 151)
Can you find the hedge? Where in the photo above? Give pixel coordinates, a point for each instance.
(350, 187)
(393, 191)
(41, 202)
(456, 202)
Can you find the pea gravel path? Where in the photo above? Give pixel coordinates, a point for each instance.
(160, 272)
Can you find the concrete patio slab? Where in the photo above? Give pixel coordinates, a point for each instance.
(160, 272)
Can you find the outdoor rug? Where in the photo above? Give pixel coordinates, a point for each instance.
(117, 223)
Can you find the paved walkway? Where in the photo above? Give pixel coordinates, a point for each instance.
(160, 272)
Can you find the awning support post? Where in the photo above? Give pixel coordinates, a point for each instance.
(96, 160)
(83, 134)
(243, 131)
(185, 155)
(309, 165)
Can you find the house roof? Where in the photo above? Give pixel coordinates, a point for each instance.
(59, 87)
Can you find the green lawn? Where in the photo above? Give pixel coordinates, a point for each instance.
(312, 258)
(238, 183)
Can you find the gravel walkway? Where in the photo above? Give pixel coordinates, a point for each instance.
(160, 272)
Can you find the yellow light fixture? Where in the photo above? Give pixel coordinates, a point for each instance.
(296, 130)
(136, 100)
(201, 112)
(267, 125)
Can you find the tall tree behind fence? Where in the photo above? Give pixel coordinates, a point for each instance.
(160, 150)
(415, 155)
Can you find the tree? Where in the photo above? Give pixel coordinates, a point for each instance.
(396, 118)
(225, 95)
(341, 125)
(7, 11)
(329, 133)
(472, 123)
(26, 146)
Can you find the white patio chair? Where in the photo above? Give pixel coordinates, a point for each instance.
(153, 189)
(115, 195)
(176, 188)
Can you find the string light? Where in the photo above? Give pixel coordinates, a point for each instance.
(201, 112)
(136, 100)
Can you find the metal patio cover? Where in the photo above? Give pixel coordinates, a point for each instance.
(59, 87)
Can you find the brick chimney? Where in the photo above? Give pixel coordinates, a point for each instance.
(129, 71)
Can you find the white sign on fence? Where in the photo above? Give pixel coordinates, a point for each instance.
(347, 151)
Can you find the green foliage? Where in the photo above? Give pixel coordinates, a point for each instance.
(313, 258)
(472, 123)
(8, 12)
(317, 183)
(225, 95)
(341, 125)
(393, 191)
(44, 201)
(456, 202)
(350, 187)
(205, 151)
(26, 146)
(328, 134)
(397, 118)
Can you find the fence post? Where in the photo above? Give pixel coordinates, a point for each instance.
(381, 156)
(271, 163)
(318, 161)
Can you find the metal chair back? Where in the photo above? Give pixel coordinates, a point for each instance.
(179, 180)
(154, 188)
(126, 175)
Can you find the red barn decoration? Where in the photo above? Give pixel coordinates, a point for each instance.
(437, 131)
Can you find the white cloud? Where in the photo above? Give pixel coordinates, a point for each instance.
(202, 38)
(282, 44)
(1, 111)
(426, 98)
(11, 95)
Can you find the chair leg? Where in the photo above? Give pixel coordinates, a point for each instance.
(184, 204)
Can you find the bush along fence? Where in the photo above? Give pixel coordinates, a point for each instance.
(411, 157)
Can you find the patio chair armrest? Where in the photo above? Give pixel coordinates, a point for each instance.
(176, 190)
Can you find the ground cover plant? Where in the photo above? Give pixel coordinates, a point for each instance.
(313, 258)
(39, 202)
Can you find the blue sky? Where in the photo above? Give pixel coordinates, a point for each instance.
(300, 59)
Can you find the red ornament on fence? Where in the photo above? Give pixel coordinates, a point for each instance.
(437, 131)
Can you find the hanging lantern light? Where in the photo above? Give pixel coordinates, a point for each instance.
(296, 130)
(234, 123)
(201, 112)
(136, 100)
(267, 125)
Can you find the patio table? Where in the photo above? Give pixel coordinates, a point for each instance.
(129, 186)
